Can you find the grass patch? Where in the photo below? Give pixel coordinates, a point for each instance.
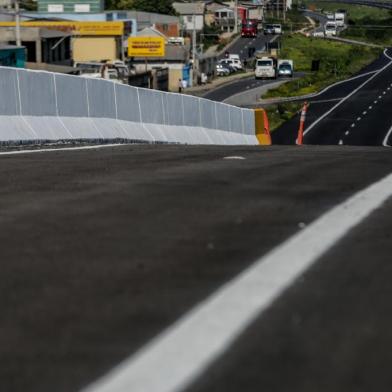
(337, 61)
(278, 114)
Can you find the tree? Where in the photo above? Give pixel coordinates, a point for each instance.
(158, 6)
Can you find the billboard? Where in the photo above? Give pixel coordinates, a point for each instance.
(146, 47)
(78, 28)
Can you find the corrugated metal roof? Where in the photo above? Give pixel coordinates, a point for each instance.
(189, 8)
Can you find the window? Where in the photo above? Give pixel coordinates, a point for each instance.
(55, 8)
(82, 8)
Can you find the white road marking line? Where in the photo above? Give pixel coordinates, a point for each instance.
(375, 101)
(384, 92)
(234, 157)
(385, 141)
(379, 97)
(64, 149)
(370, 107)
(340, 142)
(364, 112)
(181, 353)
(388, 88)
(352, 125)
(346, 133)
(358, 118)
(311, 126)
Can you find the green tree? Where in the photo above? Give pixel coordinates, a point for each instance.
(158, 6)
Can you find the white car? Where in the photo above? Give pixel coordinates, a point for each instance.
(318, 33)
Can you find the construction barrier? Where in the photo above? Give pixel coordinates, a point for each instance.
(262, 127)
(39, 106)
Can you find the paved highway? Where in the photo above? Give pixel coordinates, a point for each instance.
(356, 112)
(104, 249)
(241, 47)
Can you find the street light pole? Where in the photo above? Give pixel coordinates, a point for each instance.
(17, 24)
(236, 17)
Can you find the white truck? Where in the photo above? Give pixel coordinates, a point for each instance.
(285, 67)
(265, 68)
(339, 19)
(330, 29)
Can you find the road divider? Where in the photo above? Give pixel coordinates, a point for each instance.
(262, 127)
(39, 107)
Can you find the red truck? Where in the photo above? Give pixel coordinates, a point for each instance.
(249, 28)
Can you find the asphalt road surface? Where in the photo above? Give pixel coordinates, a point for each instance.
(356, 112)
(103, 249)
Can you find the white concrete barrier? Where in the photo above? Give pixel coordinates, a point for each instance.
(39, 106)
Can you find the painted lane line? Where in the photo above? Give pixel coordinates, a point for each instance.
(347, 132)
(385, 141)
(379, 97)
(181, 353)
(384, 92)
(388, 88)
(340, 142)
(364, 112)
(370, 107)
(42, 150)
(375, 101)
(311, 126)
(358, 118)
(352, 125)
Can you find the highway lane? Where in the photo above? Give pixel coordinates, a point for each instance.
(322, 103)
(102, 249)
(222, 93)
(241, 47)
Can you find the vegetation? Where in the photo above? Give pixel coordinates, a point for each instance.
(295, 20)
(368, 24)
(337, 61)
(158, 6)
(278, 114)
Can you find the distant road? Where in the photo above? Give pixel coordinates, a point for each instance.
(241, 47)
(357, 112)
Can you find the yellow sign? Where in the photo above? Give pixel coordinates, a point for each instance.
(77, 28)
(146, 47)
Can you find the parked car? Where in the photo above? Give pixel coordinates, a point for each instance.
(229, 63)
(221, 70)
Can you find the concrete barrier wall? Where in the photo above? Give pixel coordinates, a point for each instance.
(42, 106)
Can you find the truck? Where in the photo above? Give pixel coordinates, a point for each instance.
(265, 68)
(339, 19)
(330, 29)
(249, 28)
(285, 67)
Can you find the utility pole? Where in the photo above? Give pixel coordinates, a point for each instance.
(236, 17)
(17, 24)
(194, 50)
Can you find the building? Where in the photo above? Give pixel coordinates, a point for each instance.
(191, 15)
(42, 45)
(12, 56)
(224, 19)
(77, 6)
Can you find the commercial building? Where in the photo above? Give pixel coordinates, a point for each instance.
(12, 56)
(77, 6)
